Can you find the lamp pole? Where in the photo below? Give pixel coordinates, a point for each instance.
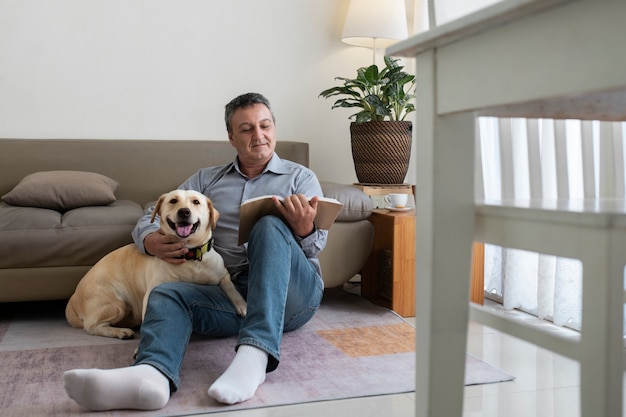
(374, 53)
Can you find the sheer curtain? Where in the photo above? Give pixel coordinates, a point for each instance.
(540, 158)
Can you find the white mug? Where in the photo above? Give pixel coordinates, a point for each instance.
(396, 200)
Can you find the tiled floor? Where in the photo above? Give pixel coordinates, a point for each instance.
(545, 384)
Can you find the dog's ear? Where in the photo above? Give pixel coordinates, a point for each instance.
(157, 208)
(213, 212)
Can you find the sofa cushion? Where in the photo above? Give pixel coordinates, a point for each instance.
(356, 204)
(39, 237)
(62, 190)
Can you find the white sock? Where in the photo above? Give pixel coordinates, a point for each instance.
(244, 375)
(140, 387)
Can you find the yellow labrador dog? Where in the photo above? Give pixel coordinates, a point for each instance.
(114, 292)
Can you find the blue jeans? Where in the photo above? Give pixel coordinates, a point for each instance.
(282, 288)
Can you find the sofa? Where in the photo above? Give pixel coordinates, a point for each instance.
(68, 202)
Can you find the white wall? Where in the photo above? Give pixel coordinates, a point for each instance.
(165, 69)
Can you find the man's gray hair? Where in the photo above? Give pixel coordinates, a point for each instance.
(245, 100)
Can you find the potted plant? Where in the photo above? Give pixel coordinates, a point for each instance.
(380, 137)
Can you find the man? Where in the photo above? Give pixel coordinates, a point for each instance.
(277, 272)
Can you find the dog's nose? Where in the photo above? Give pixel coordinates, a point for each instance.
(184, 213)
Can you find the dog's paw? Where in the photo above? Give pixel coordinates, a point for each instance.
(110, 331)
(241, 308)
(124, 334)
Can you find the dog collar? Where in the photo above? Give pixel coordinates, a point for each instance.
(195, 254)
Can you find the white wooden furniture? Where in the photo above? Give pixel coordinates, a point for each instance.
(518, 58)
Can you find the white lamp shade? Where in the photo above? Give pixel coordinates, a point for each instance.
(375, 23)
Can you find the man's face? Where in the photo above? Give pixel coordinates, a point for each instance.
(253, 134)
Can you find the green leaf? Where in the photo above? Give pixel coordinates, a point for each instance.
(381, 94)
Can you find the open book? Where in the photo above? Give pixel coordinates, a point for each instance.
(253, 209)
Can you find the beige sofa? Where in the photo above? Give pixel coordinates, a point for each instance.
(44, 252)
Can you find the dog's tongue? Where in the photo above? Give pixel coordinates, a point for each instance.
(183, 230)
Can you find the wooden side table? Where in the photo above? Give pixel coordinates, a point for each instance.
(372, 270)
(388, 278)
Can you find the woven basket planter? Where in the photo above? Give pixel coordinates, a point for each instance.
(381, 151)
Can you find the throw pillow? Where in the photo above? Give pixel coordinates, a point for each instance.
(62, 190)
(356, 204)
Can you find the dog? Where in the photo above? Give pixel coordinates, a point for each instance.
(114, 292)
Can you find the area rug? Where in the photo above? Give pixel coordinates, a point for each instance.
(350, 349)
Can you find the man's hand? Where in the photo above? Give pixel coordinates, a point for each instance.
(298, 212)
(167, 247)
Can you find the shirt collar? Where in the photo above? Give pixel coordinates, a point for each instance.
(275, 165)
